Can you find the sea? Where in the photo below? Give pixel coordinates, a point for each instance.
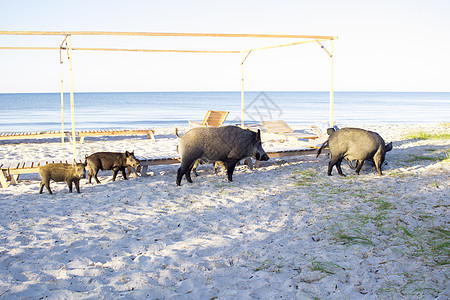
(37, 112)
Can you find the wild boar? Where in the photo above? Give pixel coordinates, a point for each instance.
(228, 144)
(355, 144)
(70, 173)
(110, 161)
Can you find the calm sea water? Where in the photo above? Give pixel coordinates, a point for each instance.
(42, 111)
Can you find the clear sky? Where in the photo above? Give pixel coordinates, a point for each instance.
(383, 45)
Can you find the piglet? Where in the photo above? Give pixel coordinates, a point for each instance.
(110, 161)
(70, 173)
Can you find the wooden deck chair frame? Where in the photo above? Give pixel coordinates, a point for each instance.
(213, 118)
(85, 133)
(282, 129)
(34, 135)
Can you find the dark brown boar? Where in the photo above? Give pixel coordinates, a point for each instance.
(70, 173)
(355, 144)
(110, 161)
(228, 144)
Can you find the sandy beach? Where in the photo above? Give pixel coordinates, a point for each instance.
(285, 230)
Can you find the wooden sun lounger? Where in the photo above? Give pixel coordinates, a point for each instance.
(213, 118)
(33, 135)
(11, 171)
(280, 128)
(84, 133)
(145, 162)
(322, 137)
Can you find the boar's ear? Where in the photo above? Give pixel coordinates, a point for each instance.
(127, 153)
(388, 147)
(258, 136)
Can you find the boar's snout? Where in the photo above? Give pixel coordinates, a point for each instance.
(264, 157)
(80, 172)
(131, 160)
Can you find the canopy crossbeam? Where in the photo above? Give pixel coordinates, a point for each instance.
(244, 53)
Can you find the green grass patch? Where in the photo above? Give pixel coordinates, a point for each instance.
(432, 244)
(417, 158)
(383, 205)
(355, 238)
(325, 267)
(305, 177)
(440, 245)
(422, 135)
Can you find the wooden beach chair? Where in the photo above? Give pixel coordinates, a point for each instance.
(213, 118)
(33, 135)
(282, 129)
(322, 134)
(12, 171)
(85, 133)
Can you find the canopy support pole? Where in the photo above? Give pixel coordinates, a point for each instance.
(242, 87)
(332, 85)
(62, 96)
(72, 107)
(242, 91)
(331, 55)
(62, 87)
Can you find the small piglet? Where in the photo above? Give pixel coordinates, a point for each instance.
(228, 144)
(110, 161)
(216, 164)
(70, 173)
(355, 144)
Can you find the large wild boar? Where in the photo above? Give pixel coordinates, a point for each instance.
(70, 173)
(110, 161)
(228, 144)
(355, 144)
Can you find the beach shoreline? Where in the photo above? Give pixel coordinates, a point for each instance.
(283, 230)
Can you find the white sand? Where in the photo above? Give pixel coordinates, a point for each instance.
(285, 230)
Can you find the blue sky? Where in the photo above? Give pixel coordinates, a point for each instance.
(382, 45)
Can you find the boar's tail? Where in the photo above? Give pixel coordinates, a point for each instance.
(176, 132)
(321, 147)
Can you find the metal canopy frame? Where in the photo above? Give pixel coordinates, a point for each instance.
(67, 45)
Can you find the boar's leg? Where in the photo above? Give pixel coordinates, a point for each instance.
(179, 176)
(93, 173)
(378, 167)
(69, 184)
(188, 175)
(195, 166)
(124, 173)
(77, 185)
(231, 164)
(359, 164)
(185, 169)
(47, 185)
(338, 167)
(335, 162)
(115, 172)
